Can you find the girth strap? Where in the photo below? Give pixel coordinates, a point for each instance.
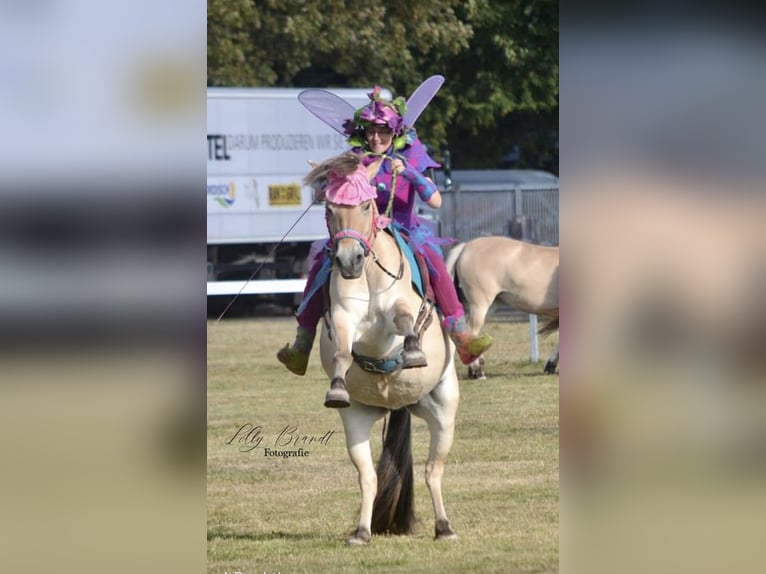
(380, 365)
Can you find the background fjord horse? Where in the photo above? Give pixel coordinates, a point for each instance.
(523, 275)
(372, 314)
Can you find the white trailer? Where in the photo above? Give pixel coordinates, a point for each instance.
(259, 143)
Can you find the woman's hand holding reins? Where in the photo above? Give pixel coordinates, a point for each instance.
(397, 166)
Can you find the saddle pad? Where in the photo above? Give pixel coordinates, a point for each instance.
(417, 276)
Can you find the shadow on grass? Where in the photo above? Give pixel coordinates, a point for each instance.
(540, 374)
(515, 372)
(262, 536)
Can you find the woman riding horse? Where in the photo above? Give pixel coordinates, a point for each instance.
(395, 159)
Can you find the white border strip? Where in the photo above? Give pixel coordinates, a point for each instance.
(259, 287)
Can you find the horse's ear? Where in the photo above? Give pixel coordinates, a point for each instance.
(341, 166)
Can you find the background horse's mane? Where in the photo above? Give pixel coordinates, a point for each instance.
(341, 166)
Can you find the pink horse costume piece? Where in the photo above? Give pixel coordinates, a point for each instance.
(395, 197)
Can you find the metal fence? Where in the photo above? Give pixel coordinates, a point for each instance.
(527, 211)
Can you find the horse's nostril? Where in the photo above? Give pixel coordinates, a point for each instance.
(359, 258)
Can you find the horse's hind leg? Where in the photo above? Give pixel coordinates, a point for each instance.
(412, 355)
(552, 363)
(476, 369)
(357, 423)
(477, 314)
(438, 409)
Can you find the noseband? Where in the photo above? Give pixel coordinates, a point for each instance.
(366, 243)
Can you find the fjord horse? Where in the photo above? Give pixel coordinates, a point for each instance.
(370, 348)
(523, 275)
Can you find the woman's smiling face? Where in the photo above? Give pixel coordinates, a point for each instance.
(379, 138)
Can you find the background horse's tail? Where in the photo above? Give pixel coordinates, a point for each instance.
(451, 264)
(551, 325)
(394, 509)
(452, 257)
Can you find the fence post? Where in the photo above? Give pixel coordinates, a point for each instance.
(456, 214)
(518, 204)
(534, 353)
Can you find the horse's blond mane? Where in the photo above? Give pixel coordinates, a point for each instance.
(341, 165)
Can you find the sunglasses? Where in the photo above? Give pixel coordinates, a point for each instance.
(381, 131)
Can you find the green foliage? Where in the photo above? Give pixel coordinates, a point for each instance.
(500, 58)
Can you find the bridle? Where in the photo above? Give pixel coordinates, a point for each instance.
(366, 242)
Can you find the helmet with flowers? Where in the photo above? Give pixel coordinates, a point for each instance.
(379, 111)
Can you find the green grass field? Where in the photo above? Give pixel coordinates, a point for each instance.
(293, 515)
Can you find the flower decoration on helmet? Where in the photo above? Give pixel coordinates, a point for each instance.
(379, 111)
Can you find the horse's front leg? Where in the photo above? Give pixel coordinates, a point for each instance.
(412, 355)
(343, 334)
(357, 423)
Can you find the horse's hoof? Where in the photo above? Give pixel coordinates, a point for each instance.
(443, 531)
(359, 537)
(414, 360)
(337, 399)
(447, 536)
(354, 541)
(550, 368)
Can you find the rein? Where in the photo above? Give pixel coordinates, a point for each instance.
(392, 191)
(399, 273)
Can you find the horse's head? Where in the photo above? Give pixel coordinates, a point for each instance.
(351, 214)
(352, 232)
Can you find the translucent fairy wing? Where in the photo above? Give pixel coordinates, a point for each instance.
(331, 109)
(420, 98)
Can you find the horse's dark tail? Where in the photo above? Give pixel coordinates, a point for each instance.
(551, 325)
(394, 510)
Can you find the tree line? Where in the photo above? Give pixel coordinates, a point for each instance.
(497, 108)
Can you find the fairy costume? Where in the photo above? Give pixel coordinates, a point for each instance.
(399, 206)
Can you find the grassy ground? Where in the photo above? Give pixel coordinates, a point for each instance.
(293, 515)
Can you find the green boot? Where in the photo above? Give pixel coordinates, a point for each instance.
(296, 357)
(469, 347)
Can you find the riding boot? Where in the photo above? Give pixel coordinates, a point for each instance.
(469, 347)
(296, 357)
